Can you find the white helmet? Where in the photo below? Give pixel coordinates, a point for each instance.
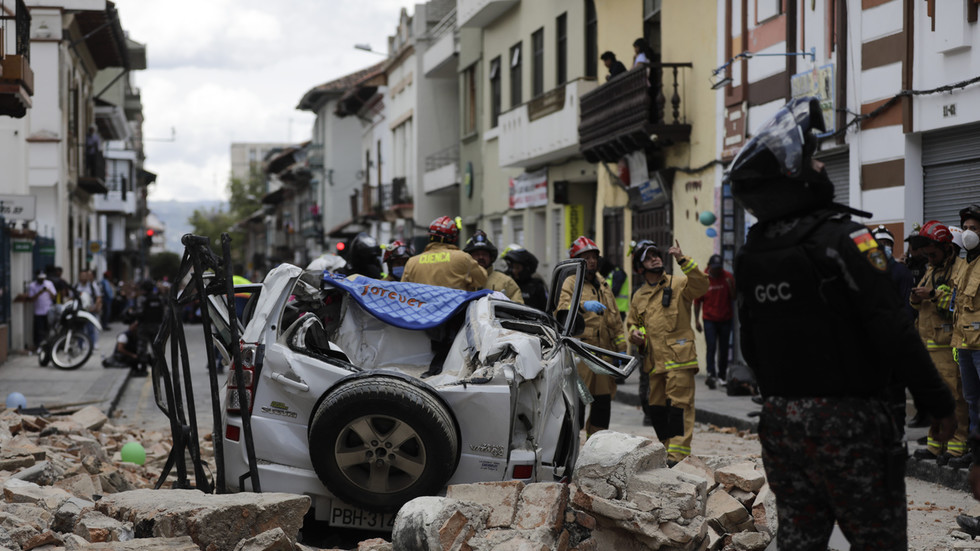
(957, 235)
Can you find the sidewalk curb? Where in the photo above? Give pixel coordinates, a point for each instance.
(927, 471)
(116, 393)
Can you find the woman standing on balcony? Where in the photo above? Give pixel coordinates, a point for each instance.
(644, 53)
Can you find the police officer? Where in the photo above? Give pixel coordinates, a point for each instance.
(822, 328)
(932, 299)
(485, 253)
(521, 266)
(603, 328)
(396, 255)
(659, 323)
(442, 263)
(362, 257)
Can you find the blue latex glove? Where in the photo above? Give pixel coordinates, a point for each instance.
(594, 306)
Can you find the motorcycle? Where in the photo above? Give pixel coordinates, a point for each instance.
(67, 346)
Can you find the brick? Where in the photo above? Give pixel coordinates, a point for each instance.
(585, 520)
(500, 497)
(764, 511)
(450, 529)
(725, 510)
(541, 505)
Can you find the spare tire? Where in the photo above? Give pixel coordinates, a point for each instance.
(379, 442)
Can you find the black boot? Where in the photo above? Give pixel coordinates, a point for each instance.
(970, 525)
(961, 462)
(923, 454)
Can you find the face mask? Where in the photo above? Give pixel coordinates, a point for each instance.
(970, 240)
(888, 251)
(397, 271)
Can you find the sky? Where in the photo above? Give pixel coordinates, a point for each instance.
(223, 71)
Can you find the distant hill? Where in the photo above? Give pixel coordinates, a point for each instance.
(175, 214)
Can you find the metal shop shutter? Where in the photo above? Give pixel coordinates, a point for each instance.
(950, 164)
(838, 165)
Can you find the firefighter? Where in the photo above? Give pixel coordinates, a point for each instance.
(521, 266)
(442, 263)
(603, 328)
(659, 323)
(485, 253)
(823, 329)
(362, 257)
(396, 256)
(966, 315)
(932, 299)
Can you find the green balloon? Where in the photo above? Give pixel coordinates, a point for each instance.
(133, 452)
(707, 218)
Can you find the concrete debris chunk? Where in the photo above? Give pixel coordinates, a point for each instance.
(616, 457)
(500, 497)
(542, 505)
(97, 527)
(418, 523)
(89, 417)
(725, 510)
(750, 541)
(764, 511)
(270, 540)
(743, 476)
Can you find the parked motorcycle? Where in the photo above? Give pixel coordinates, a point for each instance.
(67, 346)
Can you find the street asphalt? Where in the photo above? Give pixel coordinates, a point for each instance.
(93, 384)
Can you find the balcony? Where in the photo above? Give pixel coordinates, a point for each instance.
(480, 13)
(16, 76)
(544, 129)
(395, 201)
(439, 60)
(116, 201)
(92, 179)
(441, 170)
(628, 114)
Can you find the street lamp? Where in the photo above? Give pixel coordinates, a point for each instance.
(725, 81)
(367, 48)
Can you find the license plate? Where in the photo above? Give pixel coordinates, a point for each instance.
(347, 516)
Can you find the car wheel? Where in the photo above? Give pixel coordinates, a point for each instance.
(379, 442)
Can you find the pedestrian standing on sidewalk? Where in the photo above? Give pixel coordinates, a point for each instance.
(719, 311)
(42, 293)
(91, 299)
(659, 323)
(603, 328)
(823, 329)
(932, 299)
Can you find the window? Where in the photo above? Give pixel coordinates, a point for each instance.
(495, 92)
(537, 67)
(591, 40)
(515, 75)
(764, 9)
(561, 51)
(469, 100)
(517, 229)
(497, 231)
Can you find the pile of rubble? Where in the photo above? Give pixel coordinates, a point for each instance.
(622, 497)
(64, 486)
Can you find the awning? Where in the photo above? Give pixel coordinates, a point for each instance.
(347, 228)
(274, 197)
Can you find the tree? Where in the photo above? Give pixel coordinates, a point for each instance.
(163, 264)
(244, 198)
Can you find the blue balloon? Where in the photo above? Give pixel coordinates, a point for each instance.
(16, 400)
(711, 232)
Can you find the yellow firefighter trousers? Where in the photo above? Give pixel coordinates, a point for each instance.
(678, 386)
(950, 373)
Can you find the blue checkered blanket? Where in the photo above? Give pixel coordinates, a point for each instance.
(406, 305)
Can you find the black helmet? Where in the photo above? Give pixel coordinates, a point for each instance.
(972, 211)
(522, 256)
(481, 241)
(640, 252)
(772, 176)
(364, 247)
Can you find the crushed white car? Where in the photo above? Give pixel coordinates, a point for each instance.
(340, 412)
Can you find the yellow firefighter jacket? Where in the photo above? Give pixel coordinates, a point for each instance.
(445, 265)
(935, 317)
(966, 316)
(499, 281)
(604, 330)
(669, 334)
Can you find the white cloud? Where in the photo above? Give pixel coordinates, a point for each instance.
(234, 70)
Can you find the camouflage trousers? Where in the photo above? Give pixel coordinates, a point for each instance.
(835, 459)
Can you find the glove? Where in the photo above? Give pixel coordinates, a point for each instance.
(594, 306)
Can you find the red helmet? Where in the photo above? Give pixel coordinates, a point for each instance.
(397, 250)
(443, 229)
(936, 231)
(581, 245)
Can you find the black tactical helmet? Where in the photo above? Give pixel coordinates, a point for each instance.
(772, 175)
(641, 251)
(364, 247)
(972, 211)
(481, 241)
(522, 256)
